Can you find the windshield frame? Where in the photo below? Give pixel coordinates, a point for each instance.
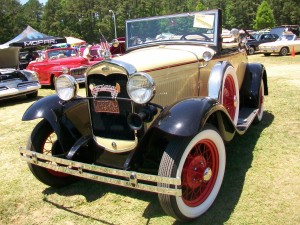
(216, 31)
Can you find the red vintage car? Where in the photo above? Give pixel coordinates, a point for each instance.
(54, 62)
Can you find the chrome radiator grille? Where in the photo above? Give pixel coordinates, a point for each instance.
(107, 121)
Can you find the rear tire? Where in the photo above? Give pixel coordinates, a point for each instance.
(284, 51)
(200, 163)
(230, 94)
(44, 140)
(260, 112)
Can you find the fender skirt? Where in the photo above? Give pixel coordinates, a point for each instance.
(187, 117)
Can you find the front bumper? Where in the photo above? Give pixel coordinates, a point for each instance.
(130, 179)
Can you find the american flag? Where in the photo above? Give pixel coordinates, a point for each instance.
(104, 44)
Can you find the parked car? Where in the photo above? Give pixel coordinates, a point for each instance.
(155, 118)
(253, 43)
(23, 58)
(96, 50)
(57, 61)
(15, 82)
(286, 44)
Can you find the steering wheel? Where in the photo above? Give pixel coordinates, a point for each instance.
(183, 37)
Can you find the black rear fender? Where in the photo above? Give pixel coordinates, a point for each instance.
(249, 92)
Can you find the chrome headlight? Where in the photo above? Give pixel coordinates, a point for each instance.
(141, 88)
(66, 87)
(65, 70)
(207, 56)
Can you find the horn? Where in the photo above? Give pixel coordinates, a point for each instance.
(135, 121)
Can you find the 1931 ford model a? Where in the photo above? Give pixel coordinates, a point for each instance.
(154, 119)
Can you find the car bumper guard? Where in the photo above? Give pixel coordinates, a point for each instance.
(130, 179)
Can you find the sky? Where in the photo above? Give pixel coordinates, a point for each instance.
(41, 1)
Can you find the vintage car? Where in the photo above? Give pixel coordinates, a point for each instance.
(54, 62)
(286, 44)
(155, 118)
(254, 41)
(15, 82)
(23, 58)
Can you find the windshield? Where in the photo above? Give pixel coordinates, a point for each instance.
(61, 53)
(287, 37)
(200, 27)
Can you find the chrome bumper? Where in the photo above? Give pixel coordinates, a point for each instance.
(130, 179)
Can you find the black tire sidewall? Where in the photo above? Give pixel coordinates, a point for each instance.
(35, 143)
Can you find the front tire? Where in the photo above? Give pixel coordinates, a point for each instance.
(32, 95)
(200, 163)
(251, 50)
(44, 140)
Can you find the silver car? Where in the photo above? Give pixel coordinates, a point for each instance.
(15, 82)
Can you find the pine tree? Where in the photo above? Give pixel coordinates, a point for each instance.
(264, 17)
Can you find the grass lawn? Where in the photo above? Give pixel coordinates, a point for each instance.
(261, 183)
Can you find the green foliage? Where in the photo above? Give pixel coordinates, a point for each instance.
(84, 19)
(264, 17)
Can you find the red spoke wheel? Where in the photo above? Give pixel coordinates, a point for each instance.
(199, 173)
(230, 94)
(44, 140)
(200, 163)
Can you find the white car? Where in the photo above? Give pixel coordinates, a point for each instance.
(15, 82)
(286, 44)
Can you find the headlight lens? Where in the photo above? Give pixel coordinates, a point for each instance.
(66, 87)
(65, 70)
(207, 56)
(141, 88)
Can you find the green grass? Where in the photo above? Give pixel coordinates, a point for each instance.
(261, 183)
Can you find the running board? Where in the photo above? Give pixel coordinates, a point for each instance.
(246, 117)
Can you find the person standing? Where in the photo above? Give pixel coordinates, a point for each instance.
(87, 53)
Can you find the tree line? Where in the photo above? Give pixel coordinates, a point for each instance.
(85, 18)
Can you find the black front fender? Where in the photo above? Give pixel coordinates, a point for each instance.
(60, 115)
(43, 108)
(186, 117)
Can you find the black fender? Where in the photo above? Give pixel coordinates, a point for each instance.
(249, 92)
(55, 111)
(187, 117)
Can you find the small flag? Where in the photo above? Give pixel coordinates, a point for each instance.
(104, 44)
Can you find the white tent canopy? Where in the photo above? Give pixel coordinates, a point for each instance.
(75, 41)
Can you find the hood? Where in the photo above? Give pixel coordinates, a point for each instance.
(164, 55)
(9, 57)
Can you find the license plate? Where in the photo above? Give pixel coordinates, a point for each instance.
(107, 106)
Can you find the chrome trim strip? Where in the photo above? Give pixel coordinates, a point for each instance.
(123, 178)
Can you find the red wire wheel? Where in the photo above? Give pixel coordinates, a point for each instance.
(199, 173)
(229, 96)
(49, 144)
(200, 163)
(44, 140)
